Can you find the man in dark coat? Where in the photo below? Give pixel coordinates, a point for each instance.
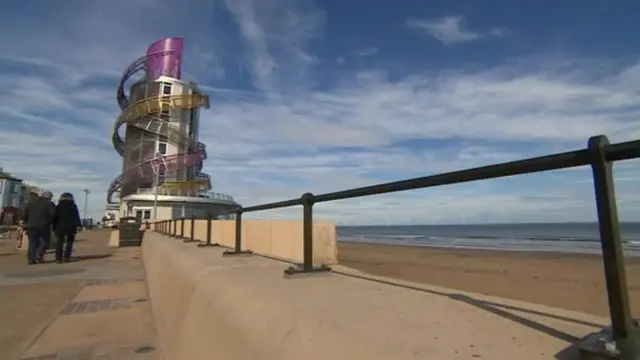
(66, 224)
(37, 218)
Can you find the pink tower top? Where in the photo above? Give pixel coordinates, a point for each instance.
(167, 65)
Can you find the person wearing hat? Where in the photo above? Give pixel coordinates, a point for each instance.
(66, 225)
(37, 219)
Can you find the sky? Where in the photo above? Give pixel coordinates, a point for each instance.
(318, 96)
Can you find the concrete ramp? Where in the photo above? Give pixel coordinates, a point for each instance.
(210, 307)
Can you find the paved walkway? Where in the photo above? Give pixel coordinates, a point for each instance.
(94, 308)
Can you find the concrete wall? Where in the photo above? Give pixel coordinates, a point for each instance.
(281, 239)
(207, 306)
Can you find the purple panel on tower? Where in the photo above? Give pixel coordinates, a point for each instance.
(169, 64)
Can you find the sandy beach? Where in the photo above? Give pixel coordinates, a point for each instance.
(568, 281)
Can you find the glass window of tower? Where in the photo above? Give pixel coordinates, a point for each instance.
(167, 89)
(162, 147)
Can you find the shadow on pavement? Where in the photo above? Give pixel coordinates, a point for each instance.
(498, 309)
(90, 257)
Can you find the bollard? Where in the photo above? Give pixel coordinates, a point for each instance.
(181, 228)
(307, 266)
(208, 242)
(238, 245)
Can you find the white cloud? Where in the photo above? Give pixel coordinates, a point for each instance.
(449, 30)
(275, 32)
(287, 136)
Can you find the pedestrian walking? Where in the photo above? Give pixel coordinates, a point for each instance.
(66, 225)
(37, 219)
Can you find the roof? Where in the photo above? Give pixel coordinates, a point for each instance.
(4, 175)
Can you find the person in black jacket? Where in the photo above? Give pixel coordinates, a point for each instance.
(36, 219)
(66, 224)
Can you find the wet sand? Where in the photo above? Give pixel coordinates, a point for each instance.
(574, 282)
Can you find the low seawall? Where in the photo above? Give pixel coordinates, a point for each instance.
(207, 306)
(281, 239)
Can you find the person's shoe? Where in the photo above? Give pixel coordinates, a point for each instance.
(67, 260)
(59, 261)
(32, 262)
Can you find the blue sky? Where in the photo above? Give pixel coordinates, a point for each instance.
(324, 95)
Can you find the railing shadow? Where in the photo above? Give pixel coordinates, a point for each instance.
(499, 310)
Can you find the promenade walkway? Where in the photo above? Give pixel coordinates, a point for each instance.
(94, 308)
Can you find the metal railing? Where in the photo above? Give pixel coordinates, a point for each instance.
(599, 154)
(196, 194)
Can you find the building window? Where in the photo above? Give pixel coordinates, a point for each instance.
(167, 89)
(165, 114)
(162, 148)
(147, 214)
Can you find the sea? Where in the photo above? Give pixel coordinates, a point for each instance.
(581, 238)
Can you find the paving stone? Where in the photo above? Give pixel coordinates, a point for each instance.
(95, 282)
(97, 286)
(84, 307)
(43, 357)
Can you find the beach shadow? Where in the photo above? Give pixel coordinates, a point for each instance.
(570, 352)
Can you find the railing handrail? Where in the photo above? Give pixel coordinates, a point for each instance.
(621, 151)
(599, 154)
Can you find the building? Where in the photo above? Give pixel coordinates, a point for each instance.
(162, 158)
(11, 198)
(112, 215)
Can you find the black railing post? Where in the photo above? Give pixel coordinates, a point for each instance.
(622, 340)
(307, 265)
(182, 227)
(193, 229)
(208, 242)
(238, 243)
(175, 228)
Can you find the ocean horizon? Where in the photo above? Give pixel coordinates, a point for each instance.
(570, 237)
